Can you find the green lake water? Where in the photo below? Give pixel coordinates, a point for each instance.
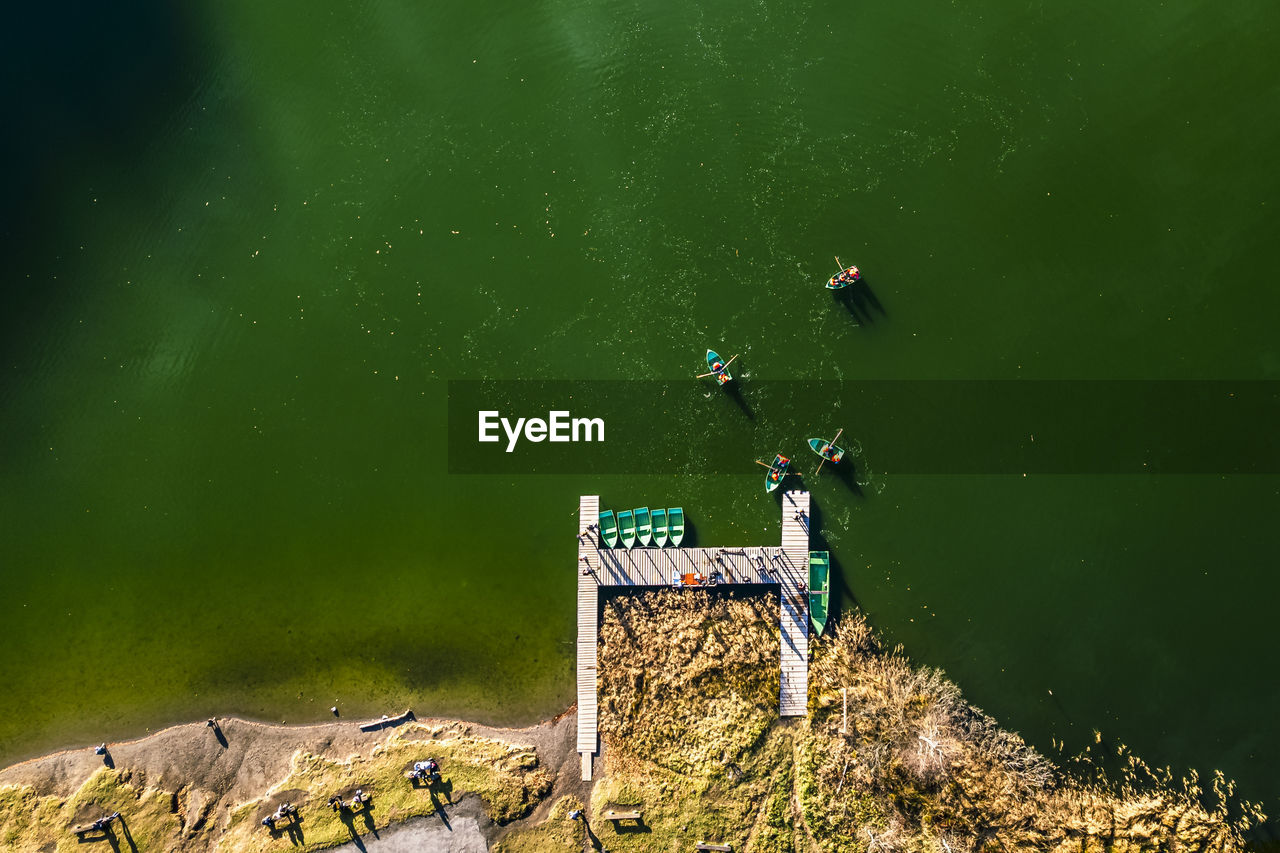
(247, 244)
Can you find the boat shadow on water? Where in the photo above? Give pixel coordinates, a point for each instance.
(860, 301)
(847, 473)
(734, 392)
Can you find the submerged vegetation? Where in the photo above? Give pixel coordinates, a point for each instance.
(889, 758)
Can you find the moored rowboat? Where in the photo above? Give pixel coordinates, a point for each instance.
(628, 524)
(675, 520)
(608, 529)
(659, 527)
(819, 588)
(644, 529)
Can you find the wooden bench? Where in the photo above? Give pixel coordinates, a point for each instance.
(612, 815)
(723, 848)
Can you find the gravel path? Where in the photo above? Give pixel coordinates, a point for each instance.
(461, 831)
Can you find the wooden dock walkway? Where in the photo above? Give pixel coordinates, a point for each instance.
(588, 627)
(794, 690)
(787, 566)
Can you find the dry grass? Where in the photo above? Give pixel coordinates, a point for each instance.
(30, 822)
(920, 769)
(688, 697)
(556, 833)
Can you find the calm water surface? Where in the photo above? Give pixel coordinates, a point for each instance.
(247, 244)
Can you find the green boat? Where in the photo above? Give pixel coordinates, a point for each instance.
(628, 525)
(675, 521)
(644, 528)
(660, 527)
(608, 529)
(844, 278)
(819, 588)
(721, 372)
(828, 450)
(777, 472)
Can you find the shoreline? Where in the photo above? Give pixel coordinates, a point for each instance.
(37, 753)
(885, 746)
(208, 777)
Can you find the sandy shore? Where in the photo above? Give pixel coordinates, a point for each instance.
(240, 761)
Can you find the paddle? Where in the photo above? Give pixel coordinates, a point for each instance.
(831, 443)
(837, 257)
(721, 370)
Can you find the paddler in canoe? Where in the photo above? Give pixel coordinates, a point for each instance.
(828, 450)
(777, 471)
(719, 368)
(844, 278)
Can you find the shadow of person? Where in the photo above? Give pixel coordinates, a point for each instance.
(110, 836)
(217, 732)
(294, 831)
(108, 760)
(845, 297)
(439, 807)
(366, 814)
(128, 836)
(866, 298)
(348, 820)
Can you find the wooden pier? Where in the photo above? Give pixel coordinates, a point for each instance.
(794, 692)
(787, 566)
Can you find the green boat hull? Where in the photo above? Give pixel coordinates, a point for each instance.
(627, 523)
(819, 589)
(675, 522)
(833, 455)
(644, 527)
(660, 533)
(608, 529)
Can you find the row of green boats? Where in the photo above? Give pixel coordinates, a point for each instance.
(643, 527)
